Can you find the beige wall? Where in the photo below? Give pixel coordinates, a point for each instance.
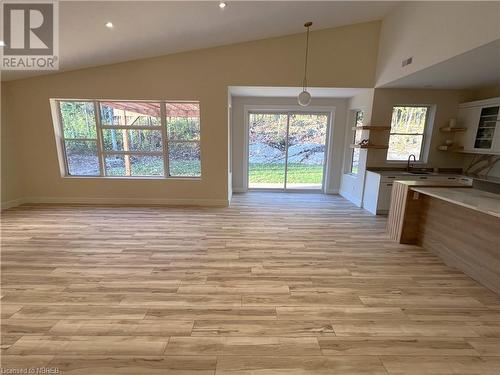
(340, 57)
(10, 177)
(445, 103)
(484, 93)
(335, 146)
(432, 32)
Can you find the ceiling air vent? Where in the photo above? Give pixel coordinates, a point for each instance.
(407, 61)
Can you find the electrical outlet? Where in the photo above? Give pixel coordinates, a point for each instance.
(407, 61)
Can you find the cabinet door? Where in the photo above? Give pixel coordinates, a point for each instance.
(468, 118)
(384, 197)
(371, 191)
(496, 138)
(485, 131)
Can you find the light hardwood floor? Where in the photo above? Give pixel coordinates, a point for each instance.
(275, 284)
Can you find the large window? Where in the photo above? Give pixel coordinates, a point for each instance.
(356, 140)
(130, 138)
(407, 132)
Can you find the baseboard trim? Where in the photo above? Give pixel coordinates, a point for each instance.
(239, 190)
(13, 203)
(126, 201)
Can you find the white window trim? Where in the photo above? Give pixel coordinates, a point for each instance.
(353, 139)
(426, 135)
(349, 136)
(101, 153)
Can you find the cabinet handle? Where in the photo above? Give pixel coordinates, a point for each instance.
(388, 184)
(423, 178)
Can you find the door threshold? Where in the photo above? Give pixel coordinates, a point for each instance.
(311, 191)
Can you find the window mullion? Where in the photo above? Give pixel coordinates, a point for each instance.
(164, 132)
(100, 145)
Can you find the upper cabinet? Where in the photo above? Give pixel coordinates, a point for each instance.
(482, 120)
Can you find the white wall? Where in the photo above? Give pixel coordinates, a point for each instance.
(336, 147)
(432, 32)
(352, 184)
(229, 147)
(340, 57)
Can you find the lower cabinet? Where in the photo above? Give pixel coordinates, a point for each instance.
(378, 188)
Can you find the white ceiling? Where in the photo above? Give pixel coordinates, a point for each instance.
(475, 68)
(291, 92)
(154, 28)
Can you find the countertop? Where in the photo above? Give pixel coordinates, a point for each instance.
(474, 199)
(479, 177)
(431, 183)
(405, 173)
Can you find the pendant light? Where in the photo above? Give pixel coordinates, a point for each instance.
(304, 97)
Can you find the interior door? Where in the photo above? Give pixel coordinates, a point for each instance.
(267, 145)
(306, 150)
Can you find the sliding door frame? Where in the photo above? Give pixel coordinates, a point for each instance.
(289, 110)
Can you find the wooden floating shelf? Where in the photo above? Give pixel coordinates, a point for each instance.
(450, 148)
(379, 147)
(447, 129)
(371, 127)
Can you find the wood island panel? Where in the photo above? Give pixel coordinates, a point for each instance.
(464, 238)
(402, 222)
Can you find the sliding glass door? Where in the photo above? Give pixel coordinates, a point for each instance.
(287, 150)
(267, 144)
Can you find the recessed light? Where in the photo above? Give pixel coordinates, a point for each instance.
(109, 25)
(2, 43)
(222, 5)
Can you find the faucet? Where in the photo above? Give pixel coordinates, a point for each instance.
(408, 167)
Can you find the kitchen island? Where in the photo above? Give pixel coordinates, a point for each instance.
(460, 225)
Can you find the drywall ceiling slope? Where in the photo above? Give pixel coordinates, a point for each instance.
(154, 28)
(432, 32)
(477, 68)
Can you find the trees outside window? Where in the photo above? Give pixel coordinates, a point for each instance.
(130, 138)
(407, 132)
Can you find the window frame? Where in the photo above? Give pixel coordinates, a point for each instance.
(354, 133)
(424, 147)
(102, 153)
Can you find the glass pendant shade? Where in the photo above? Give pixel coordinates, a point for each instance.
(304, 98)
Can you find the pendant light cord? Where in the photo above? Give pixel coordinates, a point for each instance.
(304, 82)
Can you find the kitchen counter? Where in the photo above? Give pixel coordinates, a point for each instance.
(402, 223)
(474, 199)
(431, 183)
(461, 225)
(405, 173)
(378, 186)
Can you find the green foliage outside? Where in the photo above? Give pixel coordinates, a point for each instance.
(407, 128)
(152, 166)
(270, 129)
(79, 122)
(275, 173)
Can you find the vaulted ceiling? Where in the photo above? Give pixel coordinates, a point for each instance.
(154, 28)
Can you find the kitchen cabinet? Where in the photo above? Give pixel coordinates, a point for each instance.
(482, 121)
(378, 187)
